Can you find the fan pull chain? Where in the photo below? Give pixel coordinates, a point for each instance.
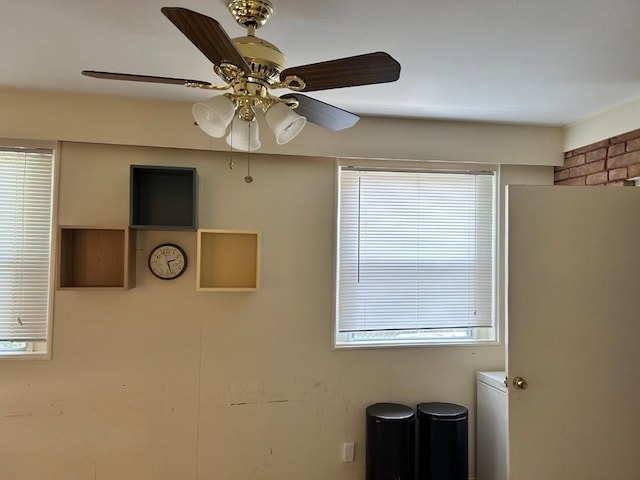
(231, 152)
(249, 178)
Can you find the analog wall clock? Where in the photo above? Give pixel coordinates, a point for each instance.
(167, 261)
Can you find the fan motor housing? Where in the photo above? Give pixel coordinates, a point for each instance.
(265, 59)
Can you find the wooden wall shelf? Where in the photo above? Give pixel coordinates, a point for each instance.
(163, 198)
(95, 257)
(228, 260)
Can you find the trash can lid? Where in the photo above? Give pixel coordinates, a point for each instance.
(390, 411)
(447, 411)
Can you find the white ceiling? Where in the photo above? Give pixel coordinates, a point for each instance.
(548, 62)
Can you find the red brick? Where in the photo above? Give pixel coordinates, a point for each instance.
(618, 174)
(633, 145)
(625, 136)
(587, 169)
(573, 181)
(568, 154)
(561, 175)
(597, 178)
(634, 171)
(596, 155)
(617, 149)
(574, 161)
(624, 160)
(592, 147)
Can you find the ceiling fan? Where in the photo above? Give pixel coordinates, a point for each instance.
(251, 67)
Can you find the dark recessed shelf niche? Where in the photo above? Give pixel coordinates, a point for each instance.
(163, 198)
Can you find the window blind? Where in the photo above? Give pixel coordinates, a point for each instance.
(415, 250)
(25, 243)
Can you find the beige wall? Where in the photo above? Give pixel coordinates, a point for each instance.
(163, 382)
(126, 121)
(613, 122)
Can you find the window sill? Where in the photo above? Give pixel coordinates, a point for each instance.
(31, 351)
(447, 337)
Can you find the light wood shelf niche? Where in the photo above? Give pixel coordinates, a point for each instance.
(228, 260)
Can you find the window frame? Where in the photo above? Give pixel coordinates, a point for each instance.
(473, 336)
(40, 350)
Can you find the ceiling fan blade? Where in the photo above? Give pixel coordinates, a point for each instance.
(323, 114)
(207, 35)
(143, 78)
(371, 68)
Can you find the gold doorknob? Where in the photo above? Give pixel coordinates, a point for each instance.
(520, 383)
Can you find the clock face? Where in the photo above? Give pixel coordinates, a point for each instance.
(167, 261)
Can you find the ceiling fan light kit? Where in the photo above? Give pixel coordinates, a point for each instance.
(244, 135)
(214, 115)
(284, 123)
(251, 67)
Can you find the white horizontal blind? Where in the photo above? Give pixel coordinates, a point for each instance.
(25, 243)
(416, 250)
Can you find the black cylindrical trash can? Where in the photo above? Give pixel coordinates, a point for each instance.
(390, 442)
(443, 450)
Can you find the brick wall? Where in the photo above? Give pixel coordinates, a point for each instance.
(609, 162)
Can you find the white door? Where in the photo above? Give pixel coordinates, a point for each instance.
(573, 334)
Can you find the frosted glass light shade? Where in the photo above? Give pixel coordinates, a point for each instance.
(244, 135)
(284, 122)
(214, 115)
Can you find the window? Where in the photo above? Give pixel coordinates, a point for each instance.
(26, 178)
(415, 257)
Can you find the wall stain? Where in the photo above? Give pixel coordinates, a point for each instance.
(30, 414)
(257, 403)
